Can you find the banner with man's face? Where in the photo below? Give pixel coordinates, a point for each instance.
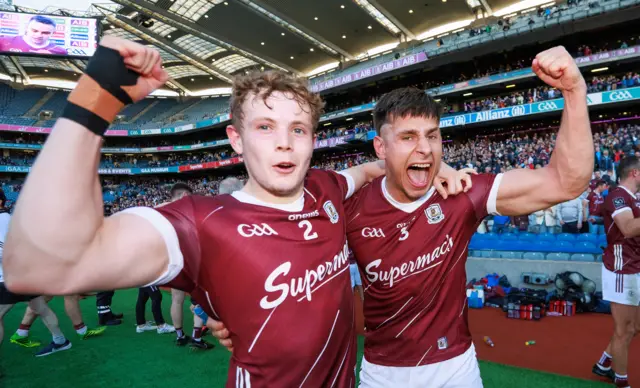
(25, 33)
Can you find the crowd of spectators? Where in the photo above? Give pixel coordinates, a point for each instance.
(490, 154)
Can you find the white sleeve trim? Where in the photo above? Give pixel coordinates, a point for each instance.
(170, 237)
(621, 210)
(351, 185)
(492, 201)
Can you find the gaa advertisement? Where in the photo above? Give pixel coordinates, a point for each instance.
(32, 34)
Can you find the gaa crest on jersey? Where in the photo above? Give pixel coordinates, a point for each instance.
(443, 343)
(618, 203)
(331, 212)
(434, 214)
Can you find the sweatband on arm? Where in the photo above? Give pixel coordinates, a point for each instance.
(101, 92)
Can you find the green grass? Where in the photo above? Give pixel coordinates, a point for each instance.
(123, 358)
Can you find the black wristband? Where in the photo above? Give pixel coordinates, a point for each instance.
(86, 118)
(107, 68)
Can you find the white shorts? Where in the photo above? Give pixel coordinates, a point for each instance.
(619, 288)
(355, 275)
(459, 372)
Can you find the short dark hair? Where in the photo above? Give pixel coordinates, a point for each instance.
(405, 102)
(3, 198)
(43, 20)
(627, 164)
(179, 188)
(601, 183)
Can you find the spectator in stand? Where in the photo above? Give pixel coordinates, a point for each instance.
(570, 215)
(596, 199)
(604, 162)
(501, 224)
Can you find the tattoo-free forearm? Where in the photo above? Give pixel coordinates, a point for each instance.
(573, 158)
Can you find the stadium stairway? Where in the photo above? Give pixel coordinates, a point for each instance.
(35, 109)
(142, 112)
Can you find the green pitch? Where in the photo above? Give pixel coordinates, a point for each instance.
(123, 358)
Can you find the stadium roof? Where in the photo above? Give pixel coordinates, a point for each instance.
(205, 42)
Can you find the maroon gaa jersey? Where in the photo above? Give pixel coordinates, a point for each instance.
(622, 255)
(277, 276)
(412, 261)
(17, 44)
(595, 203)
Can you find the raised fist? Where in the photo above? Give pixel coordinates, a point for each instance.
(558, 69)
(144, 61)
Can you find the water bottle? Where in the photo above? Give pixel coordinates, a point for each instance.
(488, 341)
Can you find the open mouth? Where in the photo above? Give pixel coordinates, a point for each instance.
(418, 174)
(284, 167)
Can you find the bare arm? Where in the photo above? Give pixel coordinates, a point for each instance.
(367, 172)
(59, 241)
(628, 225)
(524, 191)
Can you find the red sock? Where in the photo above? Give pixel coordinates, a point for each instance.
(622, 381)
(197, 333)
(78, 327)
(24, 327)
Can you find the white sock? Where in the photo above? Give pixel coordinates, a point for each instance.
(59, 339)
(82, 331)
(22, 333)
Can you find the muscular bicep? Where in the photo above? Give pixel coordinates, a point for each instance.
(524, 191)
(128, 251)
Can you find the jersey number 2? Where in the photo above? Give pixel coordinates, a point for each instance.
(307, 233)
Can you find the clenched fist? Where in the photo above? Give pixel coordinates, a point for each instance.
(144, 61)
(558, 69)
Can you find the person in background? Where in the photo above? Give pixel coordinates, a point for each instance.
(356, 280)
(585, 212)
(520, 223)
(536, 221)
(621, 272)
(230, 185)
(71, 307)
(153, 293)
(36, 38)
(570, 216)
(178, 191)
(595, 200)
(9, 299)
(500, 224)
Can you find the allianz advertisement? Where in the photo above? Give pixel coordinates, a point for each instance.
(537, 107)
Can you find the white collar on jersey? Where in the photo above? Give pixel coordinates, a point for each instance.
(293, 207)
(405, 207)
(628, 191)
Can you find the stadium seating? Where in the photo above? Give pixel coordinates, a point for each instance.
(55, 103)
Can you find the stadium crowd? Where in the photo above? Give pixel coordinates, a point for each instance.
(490, 154)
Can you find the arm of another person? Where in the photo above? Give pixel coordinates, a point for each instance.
(580, 212)
(59, 241)
(560, 206)
(523, 191)
(367, 172)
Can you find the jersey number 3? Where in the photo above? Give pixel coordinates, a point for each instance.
(308, 235)
(404, 234)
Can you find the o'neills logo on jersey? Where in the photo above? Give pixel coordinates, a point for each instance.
(282, 287)
(420, 264)
(296, 217)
